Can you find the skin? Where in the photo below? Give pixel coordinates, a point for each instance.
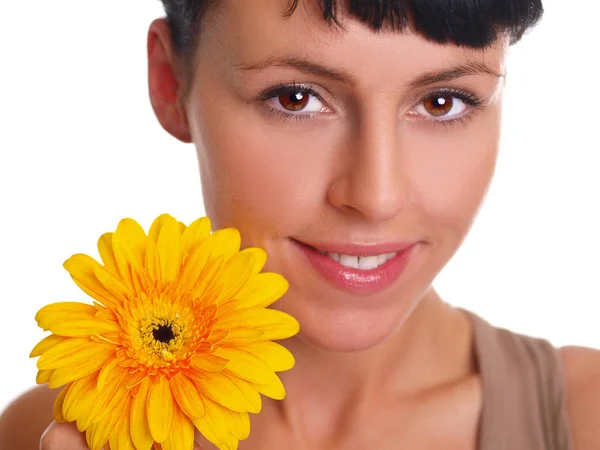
(369, 164)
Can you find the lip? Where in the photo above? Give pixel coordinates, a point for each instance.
(358, 281)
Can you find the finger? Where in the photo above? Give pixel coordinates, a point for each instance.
(60, 436)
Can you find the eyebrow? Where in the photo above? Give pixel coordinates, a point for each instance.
(309, 67)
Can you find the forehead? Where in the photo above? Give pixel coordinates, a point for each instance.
(247, 33)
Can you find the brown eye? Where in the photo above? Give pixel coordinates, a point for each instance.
(294, 101)
(439, 105)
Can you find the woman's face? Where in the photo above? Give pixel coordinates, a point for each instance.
(345, 141)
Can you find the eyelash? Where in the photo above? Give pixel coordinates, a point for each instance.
(468, 98)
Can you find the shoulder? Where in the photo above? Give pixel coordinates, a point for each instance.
(25, 419)
(582, 375)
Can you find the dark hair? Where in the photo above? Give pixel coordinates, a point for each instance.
(470, 23)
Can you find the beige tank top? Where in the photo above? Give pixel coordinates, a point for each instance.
(523, 391)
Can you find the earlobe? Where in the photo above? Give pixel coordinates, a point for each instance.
(164, 84)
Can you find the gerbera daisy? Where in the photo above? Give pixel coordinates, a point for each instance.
(179, 336)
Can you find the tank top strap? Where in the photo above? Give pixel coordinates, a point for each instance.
(523, 391)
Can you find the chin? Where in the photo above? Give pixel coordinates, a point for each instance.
(347, 330)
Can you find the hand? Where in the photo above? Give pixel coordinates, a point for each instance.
(61, 436)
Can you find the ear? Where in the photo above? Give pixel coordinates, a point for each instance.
(166, 82)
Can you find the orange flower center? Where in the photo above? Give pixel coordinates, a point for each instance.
(164, 328)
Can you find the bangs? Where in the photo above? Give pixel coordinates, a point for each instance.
(468, 23)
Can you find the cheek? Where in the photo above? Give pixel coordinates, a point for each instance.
(260, 180)
(452, 170)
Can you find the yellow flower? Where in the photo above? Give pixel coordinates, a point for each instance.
(179, 336)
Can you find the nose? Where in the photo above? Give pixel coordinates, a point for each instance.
(372, 183)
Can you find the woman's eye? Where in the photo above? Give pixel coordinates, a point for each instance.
(443, 106)
(297, 101)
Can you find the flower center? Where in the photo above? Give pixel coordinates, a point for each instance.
(164, 333)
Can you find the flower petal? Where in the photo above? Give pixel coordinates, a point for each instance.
(157, 225)
(260, 258)
(121, 438)
(227, 243)
(193, 236)
(108, 373)
(98, 433)
(195, 264)
(58, 404)
(43, 376)
(57, 312)
(274, 390)
(187, 395)
(45, 344)
(160, 405)
(235, 275)
(169, 250)
(80, 399)
(262, 290)
(246, 366)
(81, 269)
(107, 254)
(76, 327)
(223, 427)
(181, 436)
(74, 351)
(138, 424)
(274, 355)
(208, 363)
(129, 244)
(272, 323)
(222, 390)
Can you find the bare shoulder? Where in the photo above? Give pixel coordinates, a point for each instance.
(582, 372)
(25, 419)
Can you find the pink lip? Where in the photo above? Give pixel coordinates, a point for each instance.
(355, 280)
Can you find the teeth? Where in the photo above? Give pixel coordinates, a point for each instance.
(361, 262)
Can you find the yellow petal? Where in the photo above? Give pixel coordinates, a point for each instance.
(227, 243)
(152, 260)
(112, 283)
(160, 405)
(249, 392)
(98, 433)
(208, 363)
(274, 355)
(274, 390)
(222, 390)
(58, 404)
(108, 373)
(272, 323)
(260, 258)
(43, 376)
(169, 250)
(129, 243)
(64, 375)
(235, 275)
(75, 327)
(107, 254)
(223, 427)
(74, 351)
(195, 264)
(57, 312)
(45, 344)
(138, 424)
(246, 366)
(111, 397)
(181, 436)
(198, 230)
(121, 438)
(187, 395)
(262, 290)
(80, 398)
(157, 225)
(81, 269)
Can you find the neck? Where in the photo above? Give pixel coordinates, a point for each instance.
(432, 348)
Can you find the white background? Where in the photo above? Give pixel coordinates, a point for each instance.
(80, 149)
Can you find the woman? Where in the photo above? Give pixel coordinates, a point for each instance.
(356, 145)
